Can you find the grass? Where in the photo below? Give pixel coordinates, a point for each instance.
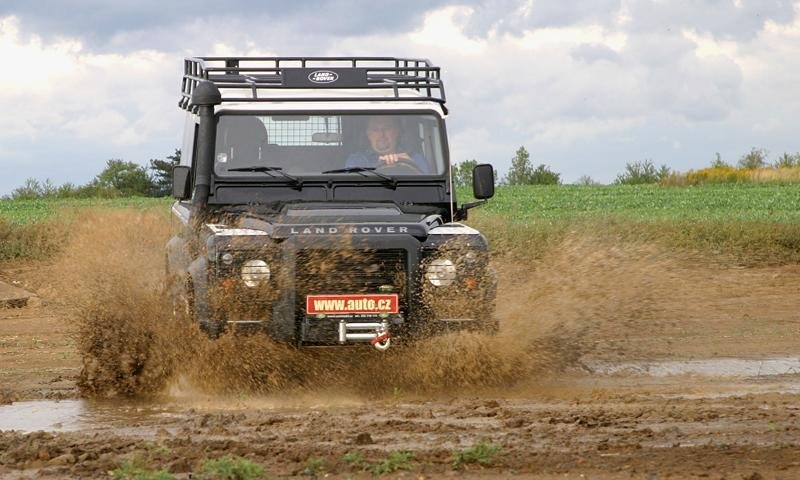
(21, 212)
(481, 453)
(772, 202)
(775, 203)
(730, 174)
(229, 468)
(136, 470)
(354, 459)
(38, 229)
(745, 224)
(395, 462)
(751, 223)
(224, 468)
(35, 240)
(315, 466)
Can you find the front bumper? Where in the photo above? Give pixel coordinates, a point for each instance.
(303, 266)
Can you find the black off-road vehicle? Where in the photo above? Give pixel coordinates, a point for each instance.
(316, 204)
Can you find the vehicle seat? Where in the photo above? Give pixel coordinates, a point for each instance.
(243, 138)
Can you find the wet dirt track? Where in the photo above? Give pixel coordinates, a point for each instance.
(621, 366)
(600, 428)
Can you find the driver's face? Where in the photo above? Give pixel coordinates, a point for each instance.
(382, 133)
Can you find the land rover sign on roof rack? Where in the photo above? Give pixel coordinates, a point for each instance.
(322, 78)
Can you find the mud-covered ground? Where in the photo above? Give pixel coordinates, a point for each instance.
(613, 361)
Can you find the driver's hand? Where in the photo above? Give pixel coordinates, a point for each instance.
(392, 158)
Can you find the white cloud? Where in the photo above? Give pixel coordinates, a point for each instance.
(440, 30)
(585, 87)
(58, 88)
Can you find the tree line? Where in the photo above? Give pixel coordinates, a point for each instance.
(118, 179)
(522, 171)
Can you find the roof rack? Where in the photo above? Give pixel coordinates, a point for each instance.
(358, 77)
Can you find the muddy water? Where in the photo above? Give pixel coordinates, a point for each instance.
(143, 418)
(717, 367)
(83, 415)
(43, 415)
(590, 426)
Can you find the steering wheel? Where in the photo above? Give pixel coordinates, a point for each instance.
(400, 166)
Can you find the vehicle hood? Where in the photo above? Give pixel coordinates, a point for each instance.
(340, 219)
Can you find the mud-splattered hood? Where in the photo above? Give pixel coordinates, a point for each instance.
(342, 219)
(328, 220)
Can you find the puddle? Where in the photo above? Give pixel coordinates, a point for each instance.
(141, 419)
(80, 415)
(64, 415)
(717, 367)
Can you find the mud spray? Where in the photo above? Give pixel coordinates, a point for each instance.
(549, 310)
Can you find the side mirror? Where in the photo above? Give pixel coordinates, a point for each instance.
(181, 182)
(483, 181)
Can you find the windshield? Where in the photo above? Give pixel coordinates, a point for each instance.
(398, 145)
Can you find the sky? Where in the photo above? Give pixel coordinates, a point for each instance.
(586, 86)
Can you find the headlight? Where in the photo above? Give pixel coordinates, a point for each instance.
(441, 272)
(227, 258)
(255, 272)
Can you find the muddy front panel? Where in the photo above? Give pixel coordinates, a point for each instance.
(347, 272)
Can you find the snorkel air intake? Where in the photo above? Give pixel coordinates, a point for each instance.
(205, 96)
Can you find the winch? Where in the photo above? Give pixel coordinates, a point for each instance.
(374, 332)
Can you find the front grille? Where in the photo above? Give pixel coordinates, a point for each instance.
(339, 272)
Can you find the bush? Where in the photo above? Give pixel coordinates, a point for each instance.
(118, 179)
(162, 174)
(462, 173)
(542, 175)
(718, 175)
(788, 161)
(521, 168)
(776, 175)
(33, 189)
(586, 180)
(755, 158)
(126, 177)
(641, 173)
(523, 173)
(718, 162)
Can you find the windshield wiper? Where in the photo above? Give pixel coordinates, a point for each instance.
(388, 179)
(269, 170)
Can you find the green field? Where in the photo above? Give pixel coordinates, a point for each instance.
(776, 203)
(28, 211)
(742, 223)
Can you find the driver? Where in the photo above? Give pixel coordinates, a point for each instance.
(382, 133)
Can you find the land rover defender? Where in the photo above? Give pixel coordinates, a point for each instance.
(315, 204)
